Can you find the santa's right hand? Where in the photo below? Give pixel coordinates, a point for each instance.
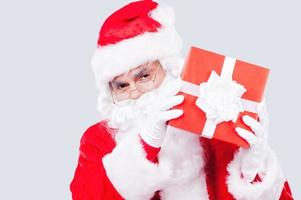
(155, 116)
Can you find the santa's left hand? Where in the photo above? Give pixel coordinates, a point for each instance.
(254, 157)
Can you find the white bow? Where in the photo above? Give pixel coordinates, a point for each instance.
(220, 99)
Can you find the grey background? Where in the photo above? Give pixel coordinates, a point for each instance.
(48, 96)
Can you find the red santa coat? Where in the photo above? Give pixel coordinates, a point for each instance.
(133, 170)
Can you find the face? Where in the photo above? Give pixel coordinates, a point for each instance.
(137, 81)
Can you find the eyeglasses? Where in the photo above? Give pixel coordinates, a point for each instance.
(143, 82)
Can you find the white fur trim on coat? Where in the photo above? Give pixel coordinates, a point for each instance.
(131, 173)
(194, 189)
(114, 59)
(268, 189)
(185, 152)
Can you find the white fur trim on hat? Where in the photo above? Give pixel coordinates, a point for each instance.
(268, 189)
(112, 60)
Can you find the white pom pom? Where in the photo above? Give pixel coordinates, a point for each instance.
(164, 15)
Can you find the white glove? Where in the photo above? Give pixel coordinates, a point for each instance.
(156, 112)
(254, 157)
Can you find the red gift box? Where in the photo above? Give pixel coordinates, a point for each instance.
(225, 89)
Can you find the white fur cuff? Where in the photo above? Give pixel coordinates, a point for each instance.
(131, 173)
(268, 189)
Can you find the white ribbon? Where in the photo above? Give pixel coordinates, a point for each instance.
(220, 98)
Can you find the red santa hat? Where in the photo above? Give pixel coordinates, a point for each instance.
(139, 32)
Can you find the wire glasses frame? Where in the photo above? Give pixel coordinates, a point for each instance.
(142, 84)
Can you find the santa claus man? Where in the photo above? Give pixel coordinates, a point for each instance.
(131, 154)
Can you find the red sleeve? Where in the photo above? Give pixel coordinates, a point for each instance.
(90, 181)
(286, 193)
(151, 152)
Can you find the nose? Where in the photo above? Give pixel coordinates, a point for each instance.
(135, 94)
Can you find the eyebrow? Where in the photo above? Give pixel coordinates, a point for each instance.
(141, 72)
(138, 74)
(117, 83)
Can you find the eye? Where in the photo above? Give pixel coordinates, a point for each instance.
(144, 76)
(121, 86)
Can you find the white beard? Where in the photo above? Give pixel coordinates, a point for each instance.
(126, 115)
